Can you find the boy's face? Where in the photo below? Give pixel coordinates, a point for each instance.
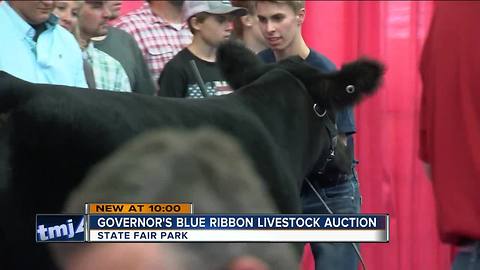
(279, 24)
(215, 29)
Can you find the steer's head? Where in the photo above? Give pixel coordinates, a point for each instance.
(346, 86)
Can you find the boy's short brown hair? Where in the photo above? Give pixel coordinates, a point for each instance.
(296, 6)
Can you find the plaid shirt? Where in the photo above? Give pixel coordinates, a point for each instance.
(158, 40)
(108, 72)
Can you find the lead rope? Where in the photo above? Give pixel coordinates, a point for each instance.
(201, 83)
(357, 251)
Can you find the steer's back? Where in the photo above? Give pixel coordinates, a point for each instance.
(54, 134)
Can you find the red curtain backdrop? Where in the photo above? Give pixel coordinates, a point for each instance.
(391, 176)
(130, 5)
(392, 180)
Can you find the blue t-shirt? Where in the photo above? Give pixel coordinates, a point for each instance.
(344, 119)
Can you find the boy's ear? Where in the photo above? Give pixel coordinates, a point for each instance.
(301, 16)
(194, 22)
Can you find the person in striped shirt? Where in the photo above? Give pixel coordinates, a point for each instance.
(93, 20)
(160, 31)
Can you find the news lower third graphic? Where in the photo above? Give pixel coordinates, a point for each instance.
(177, 223)
(60, 228)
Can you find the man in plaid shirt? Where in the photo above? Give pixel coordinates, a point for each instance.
(159, 30)
(108, 73)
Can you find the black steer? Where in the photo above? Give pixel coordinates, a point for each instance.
(54, 134)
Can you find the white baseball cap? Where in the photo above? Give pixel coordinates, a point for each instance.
(191, 8)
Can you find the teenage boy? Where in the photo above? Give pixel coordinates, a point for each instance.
(281, 23)
(211, 24)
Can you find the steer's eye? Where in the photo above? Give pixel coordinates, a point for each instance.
(350, 89)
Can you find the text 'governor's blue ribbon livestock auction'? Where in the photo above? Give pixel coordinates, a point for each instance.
(212, 228)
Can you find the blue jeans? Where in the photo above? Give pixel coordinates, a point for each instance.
(341, 199)
(468, 259)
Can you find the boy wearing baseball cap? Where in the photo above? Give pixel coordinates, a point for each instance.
(211, 24)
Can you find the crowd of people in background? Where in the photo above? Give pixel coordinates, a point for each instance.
(168, 48)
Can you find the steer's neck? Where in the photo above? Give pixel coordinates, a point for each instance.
(284, 107)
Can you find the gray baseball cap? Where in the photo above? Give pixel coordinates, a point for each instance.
(190, 8)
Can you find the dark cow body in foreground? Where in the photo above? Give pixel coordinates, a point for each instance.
(54, 134)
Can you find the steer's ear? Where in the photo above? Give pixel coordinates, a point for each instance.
(341, 88)
(354, 81)
(238, 64)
